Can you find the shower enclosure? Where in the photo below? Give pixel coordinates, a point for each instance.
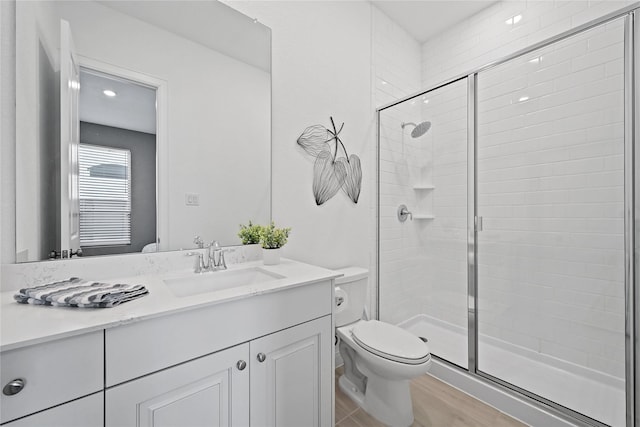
(517, 259)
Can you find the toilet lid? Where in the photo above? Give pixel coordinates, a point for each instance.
(390, 342)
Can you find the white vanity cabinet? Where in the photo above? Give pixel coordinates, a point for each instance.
(41, 376)
(259, 361)
(282, 379)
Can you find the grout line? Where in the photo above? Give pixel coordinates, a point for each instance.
(348, 416)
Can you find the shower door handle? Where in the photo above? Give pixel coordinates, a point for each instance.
(478, 223)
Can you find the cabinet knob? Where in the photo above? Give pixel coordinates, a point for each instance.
(14, 387)
(261, 357)
(241, 365)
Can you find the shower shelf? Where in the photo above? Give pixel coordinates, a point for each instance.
(423, 216)
(423, 187)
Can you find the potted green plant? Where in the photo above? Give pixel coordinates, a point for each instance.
(272, 239)
(249, 234)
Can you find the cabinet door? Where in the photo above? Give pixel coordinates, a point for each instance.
(85, 412)
(291, 376)
(206, 392)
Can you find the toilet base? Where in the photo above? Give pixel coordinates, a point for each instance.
(387, 401)
(350, 389)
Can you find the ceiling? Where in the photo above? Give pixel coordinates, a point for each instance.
(133, 107)
(424, 19)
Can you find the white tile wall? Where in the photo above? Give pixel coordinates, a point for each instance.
(486, 37)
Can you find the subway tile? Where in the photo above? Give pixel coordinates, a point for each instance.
(597, 57)
(595, 11)
(608, 365)
(561, 10)
(582, 77)
(563, 352)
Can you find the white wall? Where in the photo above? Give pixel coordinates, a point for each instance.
(321, 67)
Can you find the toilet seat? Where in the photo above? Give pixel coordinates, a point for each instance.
(390, 342)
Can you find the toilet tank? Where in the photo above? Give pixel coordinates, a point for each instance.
(352, 287)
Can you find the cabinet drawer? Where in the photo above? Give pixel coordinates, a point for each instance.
(85, 412)
(53, 373)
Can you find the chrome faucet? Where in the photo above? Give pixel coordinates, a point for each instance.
(211, 260)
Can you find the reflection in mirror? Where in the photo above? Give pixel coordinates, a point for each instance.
(182, 149)
(117, 165)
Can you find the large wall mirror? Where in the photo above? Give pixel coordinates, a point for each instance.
(140, 125)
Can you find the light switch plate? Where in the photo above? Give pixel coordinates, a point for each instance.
(192, 199)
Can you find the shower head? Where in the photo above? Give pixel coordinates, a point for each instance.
(419, 129)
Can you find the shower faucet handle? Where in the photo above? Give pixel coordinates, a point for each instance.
(403, 213)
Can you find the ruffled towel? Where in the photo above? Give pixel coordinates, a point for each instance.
(75, 292)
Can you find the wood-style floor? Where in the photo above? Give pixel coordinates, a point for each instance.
(435, 404)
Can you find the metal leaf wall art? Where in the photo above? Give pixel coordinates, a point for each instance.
(330, 171)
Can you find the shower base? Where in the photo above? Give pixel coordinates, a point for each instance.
(592, 393)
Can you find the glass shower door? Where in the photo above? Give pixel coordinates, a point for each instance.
(550, 254)
(423, 259)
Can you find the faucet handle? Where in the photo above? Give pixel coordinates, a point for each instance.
(199, 264)
(222, 265)
(198, 241)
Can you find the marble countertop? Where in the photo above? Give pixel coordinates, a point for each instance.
(25, 324)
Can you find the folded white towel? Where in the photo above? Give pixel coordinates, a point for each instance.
(75, 292)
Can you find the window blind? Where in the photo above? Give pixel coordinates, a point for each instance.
(104, 195)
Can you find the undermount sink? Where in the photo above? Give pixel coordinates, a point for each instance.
(219, 280)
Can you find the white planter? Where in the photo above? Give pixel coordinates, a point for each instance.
(271, 256)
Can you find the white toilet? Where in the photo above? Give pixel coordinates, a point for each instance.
(379, 359)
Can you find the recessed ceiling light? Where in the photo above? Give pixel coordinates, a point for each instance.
(426, 101)
(109, 93)
(383, 82)
(523, 98)
(535, 60)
